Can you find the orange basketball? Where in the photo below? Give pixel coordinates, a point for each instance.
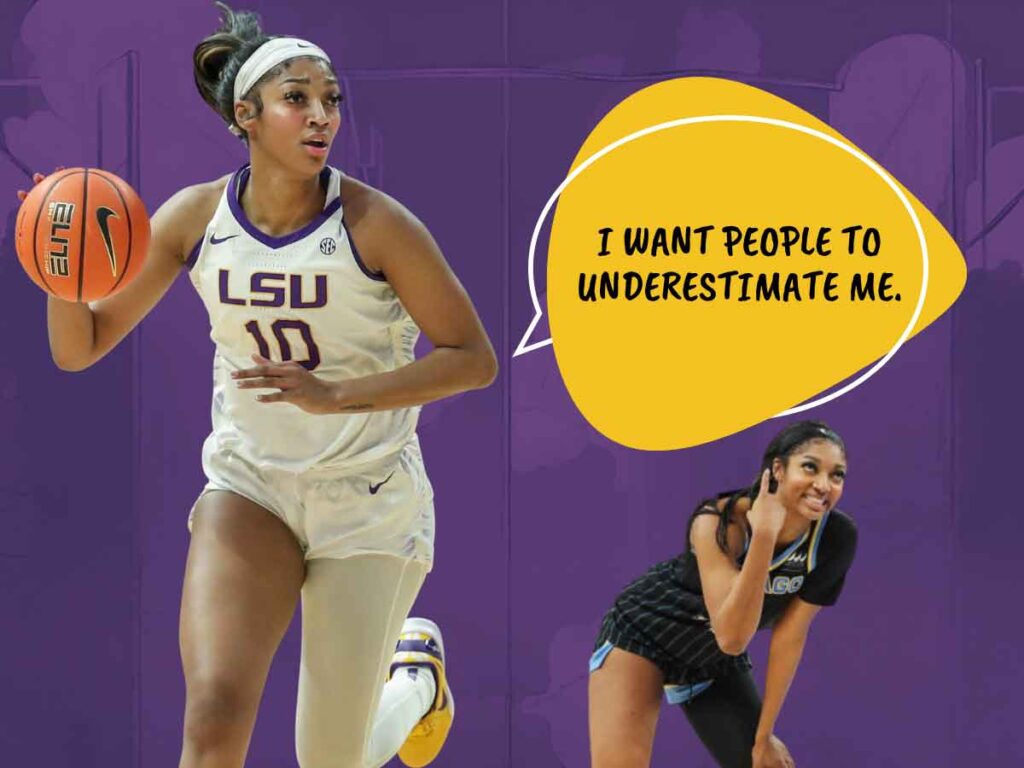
(82, 234)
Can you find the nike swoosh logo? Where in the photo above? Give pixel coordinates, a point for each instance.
(214, 240)
(102, 215)
(375, 488)
(302, 45)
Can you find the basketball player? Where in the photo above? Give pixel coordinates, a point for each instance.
(317, 287)
(767, 556)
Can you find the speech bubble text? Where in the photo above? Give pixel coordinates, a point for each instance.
(715, 237)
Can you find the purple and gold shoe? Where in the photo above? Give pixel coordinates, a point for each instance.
(420, 645)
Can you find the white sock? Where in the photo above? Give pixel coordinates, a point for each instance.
(407, 697)
(422, 677)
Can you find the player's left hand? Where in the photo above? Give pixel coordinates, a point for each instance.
(294, 383)
(771, 753)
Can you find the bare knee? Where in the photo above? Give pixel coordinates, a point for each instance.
(219, 716)
(620, 745)
(619, 756)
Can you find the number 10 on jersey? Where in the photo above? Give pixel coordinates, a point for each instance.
(278, 327)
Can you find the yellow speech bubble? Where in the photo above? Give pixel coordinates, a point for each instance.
(718, 256)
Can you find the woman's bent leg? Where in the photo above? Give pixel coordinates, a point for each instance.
(625, 697)
(725, 718)
(352, 613)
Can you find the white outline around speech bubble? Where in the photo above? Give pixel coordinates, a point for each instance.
(522, 348)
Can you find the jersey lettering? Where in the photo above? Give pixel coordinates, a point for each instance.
(279, 327)
(783, 585)
(275, 289)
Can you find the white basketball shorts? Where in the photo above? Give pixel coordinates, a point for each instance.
(381, 507)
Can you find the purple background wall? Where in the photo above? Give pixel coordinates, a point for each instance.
(470, 113)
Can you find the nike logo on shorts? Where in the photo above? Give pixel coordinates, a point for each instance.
(375, 488)
(214, 240)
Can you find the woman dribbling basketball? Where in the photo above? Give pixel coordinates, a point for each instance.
(317, 287)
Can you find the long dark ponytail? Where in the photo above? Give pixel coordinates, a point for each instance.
(217, 59)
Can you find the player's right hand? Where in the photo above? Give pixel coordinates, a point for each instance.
(36, 178)
(766, 514)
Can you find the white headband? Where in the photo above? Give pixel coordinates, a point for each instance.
(269, 55)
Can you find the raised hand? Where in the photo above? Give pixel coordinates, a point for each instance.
(767, 513)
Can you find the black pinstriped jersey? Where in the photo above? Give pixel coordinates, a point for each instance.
(662, 616)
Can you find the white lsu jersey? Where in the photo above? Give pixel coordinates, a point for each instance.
(306, 297)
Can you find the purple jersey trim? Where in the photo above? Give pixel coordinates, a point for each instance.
(193, 255)
(237, 185)
(378, 276)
